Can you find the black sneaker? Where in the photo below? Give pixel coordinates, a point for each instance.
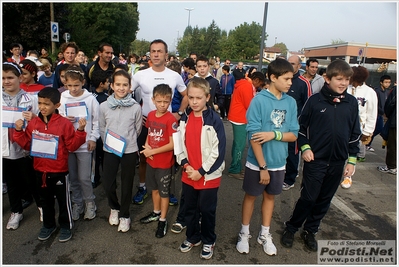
(310, 240)
(45, 233)
(65, 235)
(152, 217)
(287, 239)
(162, 228)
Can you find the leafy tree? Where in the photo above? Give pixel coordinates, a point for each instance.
(93, 23)
(337, 41)
(140, 47)
(28, 24)
(246, 38)
(212, 37)
(282, 47)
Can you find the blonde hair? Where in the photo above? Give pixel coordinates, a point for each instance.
(200, 83)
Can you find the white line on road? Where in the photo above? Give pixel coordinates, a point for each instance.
(340, 204)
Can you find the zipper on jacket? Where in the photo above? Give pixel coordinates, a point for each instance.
(334, 136)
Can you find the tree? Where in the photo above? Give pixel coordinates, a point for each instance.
(140, 47)
(26, 23)
(212, 36)
(93, 23)
(246, 38)
(337, 41)
(282, 47)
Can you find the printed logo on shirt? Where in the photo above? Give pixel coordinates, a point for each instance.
(278, 117)
(324, 109)
(59, 183)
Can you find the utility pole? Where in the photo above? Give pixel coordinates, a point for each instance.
(52, 19)
(262, 43)
(189, 11)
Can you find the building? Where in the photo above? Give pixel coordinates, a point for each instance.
(271, 53)
(354, 53)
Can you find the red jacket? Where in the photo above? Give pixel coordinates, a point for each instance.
(242, 95)
(69, 140)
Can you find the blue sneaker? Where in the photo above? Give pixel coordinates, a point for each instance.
(140, 196)
(45, 233)
(172, 200)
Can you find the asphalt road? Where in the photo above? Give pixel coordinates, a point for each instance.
(366, 211)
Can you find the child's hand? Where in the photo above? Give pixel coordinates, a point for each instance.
(19, 124)
(71, 118)
(308, 155)
(262, 137)
(82, 123)
(349, 170)
(91, 145)
(193, 174)
(264, 177)
(28, 115)
(147, 152)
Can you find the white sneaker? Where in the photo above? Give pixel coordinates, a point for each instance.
(267, 242)
(90, 212)
(76, 211)
(347, 182)
(114, 217)
(287, 186)
(124, 224)
(13, 222)
(41, 213)
(242, 244)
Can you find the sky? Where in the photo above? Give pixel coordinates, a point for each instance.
(297, 24)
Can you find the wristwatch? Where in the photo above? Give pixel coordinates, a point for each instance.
(263, 168)
(180, 113)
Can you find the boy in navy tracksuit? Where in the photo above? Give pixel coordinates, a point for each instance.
(227, 82)
(329, 132)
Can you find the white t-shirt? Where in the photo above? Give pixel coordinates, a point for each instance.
(146, 80)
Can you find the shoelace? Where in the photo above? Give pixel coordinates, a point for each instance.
(207, 248)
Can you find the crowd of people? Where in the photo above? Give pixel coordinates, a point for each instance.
(68, 127)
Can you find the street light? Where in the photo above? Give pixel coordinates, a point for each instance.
(275, 40)
(189, 11)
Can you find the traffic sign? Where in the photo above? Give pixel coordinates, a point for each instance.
(66, 37)
(54, 31)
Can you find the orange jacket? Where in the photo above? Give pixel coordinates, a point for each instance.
(242, 95)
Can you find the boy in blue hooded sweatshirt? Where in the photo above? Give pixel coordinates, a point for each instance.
(272, 123)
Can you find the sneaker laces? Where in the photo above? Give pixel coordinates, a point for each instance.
(207, 248)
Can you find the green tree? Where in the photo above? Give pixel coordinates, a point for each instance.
(282, 47)
(28, 24)
(337, 41)
(140, 47)
(212, 37)
(246, 38)
(93, 23)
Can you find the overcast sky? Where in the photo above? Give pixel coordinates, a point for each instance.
(297, 24)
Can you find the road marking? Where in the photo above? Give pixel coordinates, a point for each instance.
(340, 204)
(391, 216)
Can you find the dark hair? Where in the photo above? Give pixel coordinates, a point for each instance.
(188, 62)
(162, 90)
(14, 45)
(122, 66)
(133, 56)
(360, 74)
(101, 47)
(226, 68)
(159, 41)
(63, 67)
(30, 52)
(98, 77)
(74, 72)
(122, 73)
(14, 68)
(311, 60)
(258, 75)
(279, 67)
(30, 66)
(174, 65)
(385, 77)
(322, 71)
(339, 67)
(50, 93)
(202, 58)
(64, 46)
(145, 64)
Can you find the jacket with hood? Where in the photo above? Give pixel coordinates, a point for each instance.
(300, 90)
(69, 140)
(93, 109)
(317, 83)
(243, 93)
(267, 113)
(11, 150)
